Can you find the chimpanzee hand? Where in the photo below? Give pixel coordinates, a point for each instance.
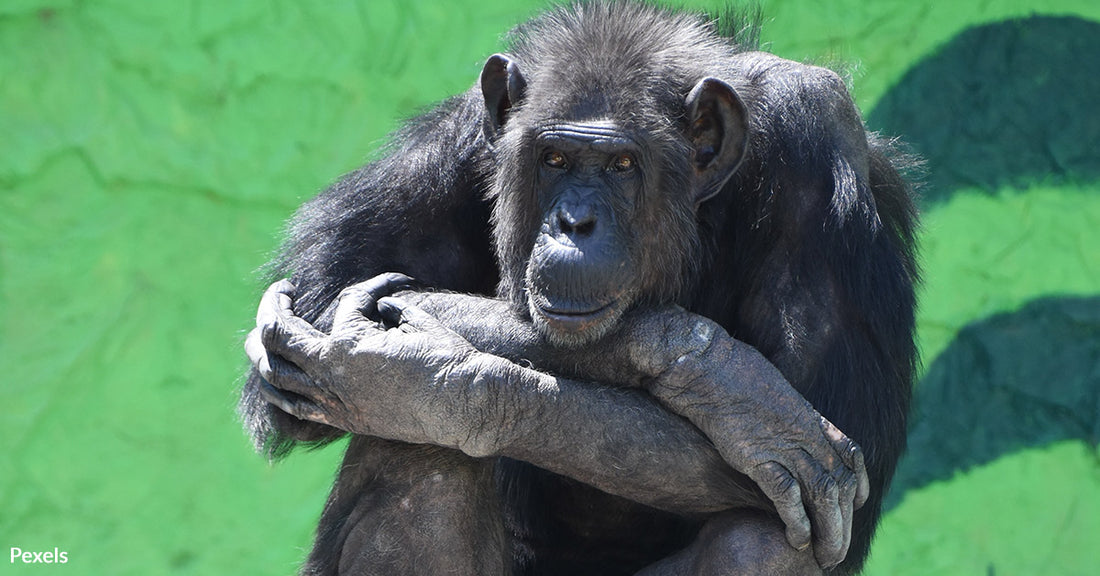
(387, 369)
(762, 426)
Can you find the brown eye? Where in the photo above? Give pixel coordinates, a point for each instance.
(554, 159)
(623, 163)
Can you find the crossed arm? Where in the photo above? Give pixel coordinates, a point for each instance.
(452, 370)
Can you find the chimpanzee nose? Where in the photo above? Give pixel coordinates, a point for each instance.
(575, 221)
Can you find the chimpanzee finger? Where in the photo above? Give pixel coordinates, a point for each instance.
(282, 333)
(293, 404)
(284, 286)
(359, 302)
(850, 474)
(287, 376)
(852, 456)
(391, 283)
(355, 308)
(863, 481)
(399, 313)
(277, 302)
(256, 352)
(275, 312)
(847, 510)
(274, 369)
(822, 499)
(783, 490)
(410, 318)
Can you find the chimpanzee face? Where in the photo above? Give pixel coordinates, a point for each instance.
(596, 201)
(588, 182)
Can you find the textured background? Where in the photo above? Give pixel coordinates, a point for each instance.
(150, 151)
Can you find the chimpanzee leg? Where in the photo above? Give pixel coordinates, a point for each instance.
(402, 509)
(738, 542)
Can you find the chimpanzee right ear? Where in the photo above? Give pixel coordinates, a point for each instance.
(503, 86)
(718, 128)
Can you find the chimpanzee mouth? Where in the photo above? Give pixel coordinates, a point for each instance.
(578, 320)
(566, 313)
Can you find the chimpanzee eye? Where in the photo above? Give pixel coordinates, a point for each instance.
(623, 163)
(554, 159)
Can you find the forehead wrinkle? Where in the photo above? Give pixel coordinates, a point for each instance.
(594, 134)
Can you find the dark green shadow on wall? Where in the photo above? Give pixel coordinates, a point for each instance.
(1001, 105)
(1009, 382)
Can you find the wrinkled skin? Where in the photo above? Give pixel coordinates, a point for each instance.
(669, 224)
(402, 374)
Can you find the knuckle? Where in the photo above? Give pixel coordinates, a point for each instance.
(377, 286)
(253, 339)
(846, 481)
(269, 332)
(334, 347)
(825, 487)
(275, 370)
(386, 283)
(394, 278)
(856, 455)
(851, 450)
(830, 430)
(780, 484)
(352, 292)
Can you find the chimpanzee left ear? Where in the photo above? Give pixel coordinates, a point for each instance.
(719, 133)
(503, 86)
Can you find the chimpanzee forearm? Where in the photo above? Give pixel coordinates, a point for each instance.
(739, 400)
(625, 359)
(427, 385)
(409, 377)
(581, 436)
(618, 440)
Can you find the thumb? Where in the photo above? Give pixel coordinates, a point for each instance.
(407, 317)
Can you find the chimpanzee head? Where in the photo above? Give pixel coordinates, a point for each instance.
(604, 152)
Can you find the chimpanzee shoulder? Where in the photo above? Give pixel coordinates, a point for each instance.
(620, 156)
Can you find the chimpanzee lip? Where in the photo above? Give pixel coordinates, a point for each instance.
(575, 318)
(573, 313)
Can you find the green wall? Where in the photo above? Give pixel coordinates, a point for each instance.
(150, 152)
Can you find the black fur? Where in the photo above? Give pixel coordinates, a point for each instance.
(806, 253)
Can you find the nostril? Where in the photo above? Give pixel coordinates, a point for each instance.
(564, 224)
(585, 228)
(567, 223)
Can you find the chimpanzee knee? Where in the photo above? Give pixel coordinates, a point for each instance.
(739, 542)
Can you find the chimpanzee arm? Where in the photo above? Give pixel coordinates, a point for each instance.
(760, 423)
(757, 421)
(409, 378)
(419, 207)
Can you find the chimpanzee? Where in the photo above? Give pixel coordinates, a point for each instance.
(627, 239)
